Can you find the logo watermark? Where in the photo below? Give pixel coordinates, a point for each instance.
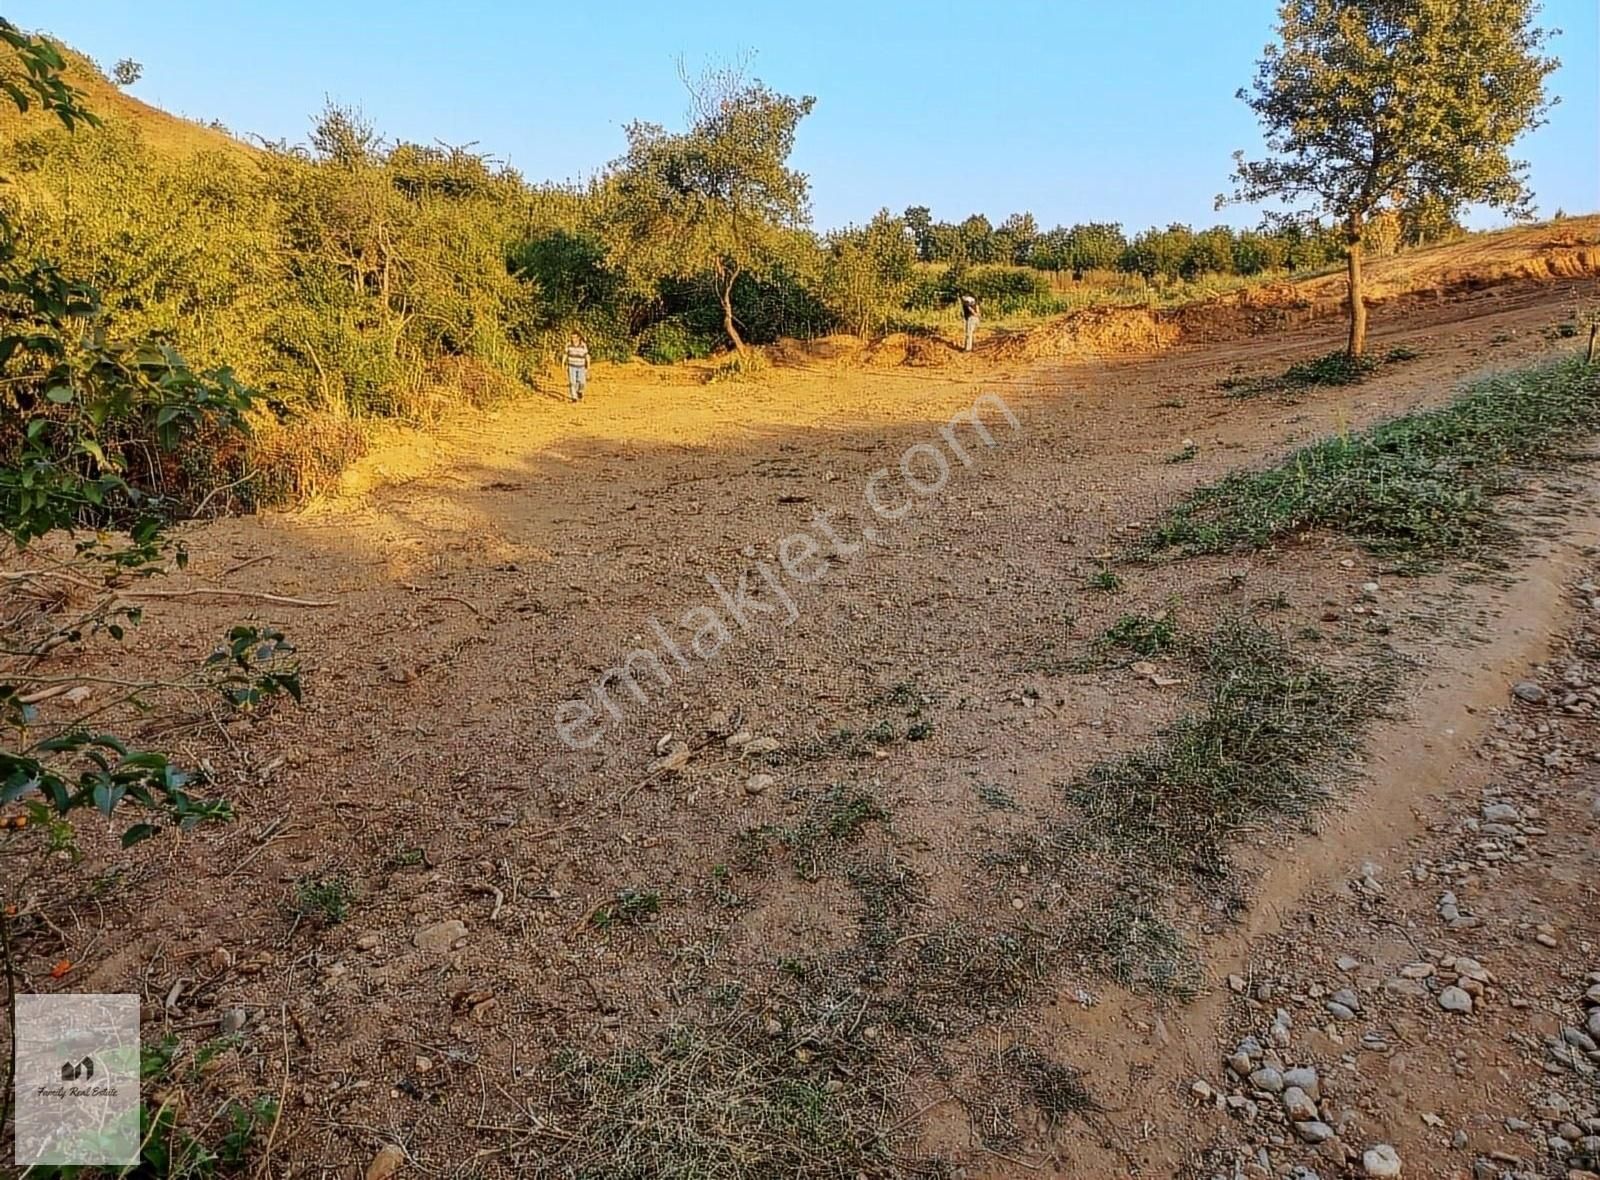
(77, 1083)
(765, 590)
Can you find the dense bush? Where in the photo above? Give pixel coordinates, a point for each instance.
(666, 342)
(1000, 289)
(868, 273)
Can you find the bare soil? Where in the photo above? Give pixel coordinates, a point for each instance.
(484, 576)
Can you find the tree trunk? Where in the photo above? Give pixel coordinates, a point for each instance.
(726, 278)
(1357, 302)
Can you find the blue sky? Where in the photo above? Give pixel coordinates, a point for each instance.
(1074, 110)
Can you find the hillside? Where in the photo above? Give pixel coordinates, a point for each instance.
(161, 130)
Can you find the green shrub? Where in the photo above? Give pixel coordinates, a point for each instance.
(1335, 368)
(867, 273)
(669, 342)
(1000, 290)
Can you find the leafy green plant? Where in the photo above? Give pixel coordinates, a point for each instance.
(41, 80)
(324, 898)
(1330, 370)
(1105, 580)
(670, 342)
(1334, 368)
(85, 424)
(1145, 635)
(255, 665)
(632, 907)
(167, 1151)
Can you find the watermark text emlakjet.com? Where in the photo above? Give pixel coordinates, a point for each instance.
(764, 594)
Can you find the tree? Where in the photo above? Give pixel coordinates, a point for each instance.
(1095, 246)
(1428, 220)
(1256, 253)
(1015, 239)
(1371, 105)
(126, 72)
(976, 236)
(918, 221)
(717, 199)
(868, 272)
(1159, 252)
(1050, 249)
(1211, 252)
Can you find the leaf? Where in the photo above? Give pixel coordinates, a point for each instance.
(59, 394)
(137, 833)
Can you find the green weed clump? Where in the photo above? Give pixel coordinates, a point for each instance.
(835, 819)
(1056, 1089)
(1251, 752)
(632, 907)
(323, 898)
(1140, 826)
(1335, 368)
(1127, 941)
(670, 342)
(1145, 635)
(1418, 485)
(1330, 370)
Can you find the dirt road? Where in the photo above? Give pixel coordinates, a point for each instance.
(485, 582)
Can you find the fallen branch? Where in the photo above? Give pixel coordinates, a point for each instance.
(455, 598)
(223, 592)
(243, 565)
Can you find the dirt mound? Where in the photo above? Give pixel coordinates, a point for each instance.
(1095, 331)
(904, 348)
(838, 348)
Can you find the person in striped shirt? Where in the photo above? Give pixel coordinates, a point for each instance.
(577, 368)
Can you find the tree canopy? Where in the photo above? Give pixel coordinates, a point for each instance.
(718, 197)
(1387, 105)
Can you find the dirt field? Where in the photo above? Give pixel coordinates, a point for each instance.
(820, 819)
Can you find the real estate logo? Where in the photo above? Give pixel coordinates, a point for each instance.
(72, 1071)
(77, 1081)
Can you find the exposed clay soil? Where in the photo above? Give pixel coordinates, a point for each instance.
(482, 578)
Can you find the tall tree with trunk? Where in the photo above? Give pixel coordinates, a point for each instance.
(1374, 105)
(718, 200)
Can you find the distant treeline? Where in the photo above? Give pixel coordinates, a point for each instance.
(1176, 252)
